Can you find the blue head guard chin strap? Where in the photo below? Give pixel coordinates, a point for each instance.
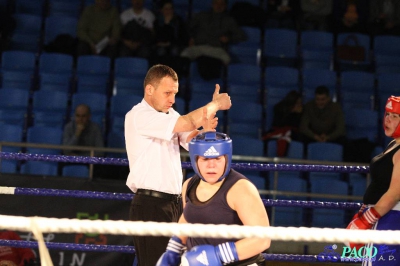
(211, 145)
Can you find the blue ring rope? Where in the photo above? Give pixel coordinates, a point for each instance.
(186, 165)
(129, 196)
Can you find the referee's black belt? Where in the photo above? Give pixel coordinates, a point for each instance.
(158, 194)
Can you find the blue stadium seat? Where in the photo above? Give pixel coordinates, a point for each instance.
(288, 182)
(248, 146)
(13, 117)
(14, 99)
(280, 47)
(358, 184)
(358, 100)
(8, 166)
(128, 85)
(51, 101)
(316, 49)
(316, 40)
(64, 8)
(55, 82)
(29, 7)
(18, 61)
(116, 139)
(121, 104)
(202, 88)
(245, 92)
(245, 54)
(180, 105)
(39, 168)
(49, 108)
(44, 135)
(357, 81)
(29, 24)
(131, 67)
(237, 129)
(323, 217)
(56, 25)
(11, 133)
(92, 83)
(253, 113)
(362, 123)
(25, 42)
(257, 180)
(325, 151)
(56, 63)
(81, 171)
(312, 78)
(244, 74)
(17, 80)
(287, 77)
(93, 65)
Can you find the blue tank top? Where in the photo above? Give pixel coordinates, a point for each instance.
(381, 169)
(213, 211)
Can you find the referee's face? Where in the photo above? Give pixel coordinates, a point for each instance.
(162, 97)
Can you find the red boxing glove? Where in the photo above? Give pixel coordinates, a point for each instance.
(366, 220)
(363, 220)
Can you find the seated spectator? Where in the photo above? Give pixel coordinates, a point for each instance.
(350, 16)
(99, 29)
(384, 17)
(322, 120)
(171, 37)
(211, 33)
(282, 13)
(11, 256)
(81, 131)
(137, 34)
(315, 14)
(286, 121)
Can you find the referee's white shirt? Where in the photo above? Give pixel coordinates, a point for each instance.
(153, 149)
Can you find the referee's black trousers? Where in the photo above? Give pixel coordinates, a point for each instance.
(148, 208)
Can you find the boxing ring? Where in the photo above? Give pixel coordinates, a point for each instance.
(42, 225)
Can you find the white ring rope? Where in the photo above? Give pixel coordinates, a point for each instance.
(54, 225)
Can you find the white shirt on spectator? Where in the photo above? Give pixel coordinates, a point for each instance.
(145, 19)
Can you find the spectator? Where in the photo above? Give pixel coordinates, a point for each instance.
(211, 33)
(350, 16)
(384, 17)
(82, 132)
(137, 32)
(286, 121)
(99, 29)
(171, 37)
(322, 120)
(282, 13)
(11, 256)
(315, 14)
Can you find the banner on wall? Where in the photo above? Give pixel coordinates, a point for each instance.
(67, 207)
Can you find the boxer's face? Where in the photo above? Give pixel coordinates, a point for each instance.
(211, 168)
(391, 123)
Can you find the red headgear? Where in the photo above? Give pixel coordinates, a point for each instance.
(393, 106)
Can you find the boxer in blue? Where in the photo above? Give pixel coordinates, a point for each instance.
(217, 194)
(381, 207)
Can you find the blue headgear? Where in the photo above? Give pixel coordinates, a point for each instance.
(211, 145)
